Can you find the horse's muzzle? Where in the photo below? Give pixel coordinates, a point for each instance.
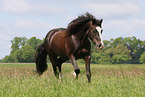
(99, 46)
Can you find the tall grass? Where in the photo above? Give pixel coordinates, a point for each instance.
(18, 80)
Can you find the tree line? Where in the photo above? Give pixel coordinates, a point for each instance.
(22, 50)
(129, 50)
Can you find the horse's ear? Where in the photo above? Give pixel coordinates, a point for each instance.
(101, 21)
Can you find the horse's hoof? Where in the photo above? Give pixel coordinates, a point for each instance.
(89, 78)
(77, 71)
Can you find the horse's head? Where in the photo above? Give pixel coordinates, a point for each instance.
(95, 33)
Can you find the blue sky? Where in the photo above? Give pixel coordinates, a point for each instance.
(29, 18)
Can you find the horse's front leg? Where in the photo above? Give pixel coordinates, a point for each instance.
(87, 63)
(76, 69)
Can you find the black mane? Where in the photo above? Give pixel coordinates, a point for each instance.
(75, 25)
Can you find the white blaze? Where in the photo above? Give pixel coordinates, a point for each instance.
(99, 29)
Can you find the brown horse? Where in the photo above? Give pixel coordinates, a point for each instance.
(71, 44)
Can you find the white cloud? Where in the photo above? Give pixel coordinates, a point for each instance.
(112, 10)
(32, 25)
(26, 28)
(30, 8)
(125, 28)
(21, 28)
(15, 6)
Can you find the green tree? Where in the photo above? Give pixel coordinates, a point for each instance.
(136, 46)
(34, 43)
(17, 43)
(142, 58)
(23, 50)
(106, 44)
(27, 53)
(119, 54)
(95, 57)
(117, 41)
(100, 58)
(7, 59)
(17, 56)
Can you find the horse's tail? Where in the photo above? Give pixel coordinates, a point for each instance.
(40, 59)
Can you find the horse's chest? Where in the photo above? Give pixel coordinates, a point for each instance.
(81, 53)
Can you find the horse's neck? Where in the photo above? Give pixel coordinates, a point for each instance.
(79, 38)
(82, 35)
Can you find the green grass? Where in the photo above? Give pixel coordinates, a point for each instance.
(18, 80)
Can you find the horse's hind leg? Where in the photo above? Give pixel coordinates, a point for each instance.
(59, 63)
(53, 59)
(56, 64)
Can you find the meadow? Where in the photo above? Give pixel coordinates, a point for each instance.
(120, 80)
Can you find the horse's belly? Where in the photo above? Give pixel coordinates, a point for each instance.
(58, 51)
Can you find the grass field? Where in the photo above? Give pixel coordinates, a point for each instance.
(18, 80)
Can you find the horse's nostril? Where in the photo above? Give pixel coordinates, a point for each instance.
(100, 45)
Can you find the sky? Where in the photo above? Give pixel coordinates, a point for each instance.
(34, 18)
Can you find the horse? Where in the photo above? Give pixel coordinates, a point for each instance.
(71, 43)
